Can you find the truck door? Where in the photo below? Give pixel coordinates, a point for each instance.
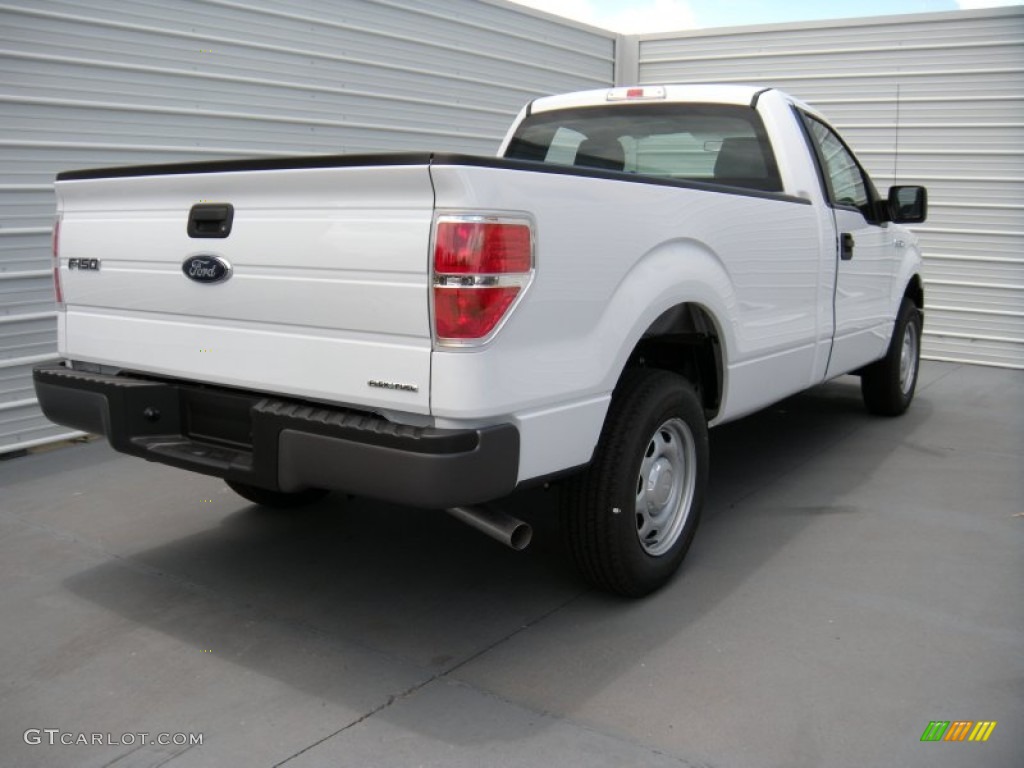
(865, 254)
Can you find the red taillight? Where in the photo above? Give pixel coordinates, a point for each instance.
(480, 267)
(57, 289)
(470, 313)
(483, 248)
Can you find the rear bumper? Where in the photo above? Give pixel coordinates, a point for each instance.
(283, 444)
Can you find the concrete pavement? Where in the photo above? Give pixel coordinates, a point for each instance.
(854, 578)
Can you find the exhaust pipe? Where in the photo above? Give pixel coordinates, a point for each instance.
(510, 531)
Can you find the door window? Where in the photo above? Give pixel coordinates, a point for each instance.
(846, 182)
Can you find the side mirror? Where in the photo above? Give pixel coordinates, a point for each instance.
(908, 205)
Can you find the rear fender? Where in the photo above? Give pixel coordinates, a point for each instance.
(676, 272)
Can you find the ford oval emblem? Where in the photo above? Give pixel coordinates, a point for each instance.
(206, 268)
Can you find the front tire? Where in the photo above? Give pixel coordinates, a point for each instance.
(276, 499)
(630, 517)
(888, 385)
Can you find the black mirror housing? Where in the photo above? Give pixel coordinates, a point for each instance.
(907, 205)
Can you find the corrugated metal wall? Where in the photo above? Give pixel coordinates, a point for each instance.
(106, 82)
(936, 99)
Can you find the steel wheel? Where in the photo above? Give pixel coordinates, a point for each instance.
(629, 519)
(908, 358)
(665, 486)
(888, 384)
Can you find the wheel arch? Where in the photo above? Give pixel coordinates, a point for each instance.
(685, 339)
(915, 290)
(907, 279)
(683, 291)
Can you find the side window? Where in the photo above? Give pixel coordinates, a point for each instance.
(847, 184)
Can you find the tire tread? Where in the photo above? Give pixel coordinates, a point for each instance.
(879, 382)
(593, 543)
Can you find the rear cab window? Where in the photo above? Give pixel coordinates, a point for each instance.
(710, 143)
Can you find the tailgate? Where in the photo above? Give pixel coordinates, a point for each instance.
(327, 289)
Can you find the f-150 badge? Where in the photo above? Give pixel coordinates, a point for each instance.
(378, 384)
(206, 268)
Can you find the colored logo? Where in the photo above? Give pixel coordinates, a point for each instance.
(958, 730)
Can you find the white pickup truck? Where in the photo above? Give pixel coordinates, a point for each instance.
(636, 265)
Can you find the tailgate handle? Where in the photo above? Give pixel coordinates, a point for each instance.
(210, 220)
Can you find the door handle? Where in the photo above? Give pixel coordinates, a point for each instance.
(846, 246)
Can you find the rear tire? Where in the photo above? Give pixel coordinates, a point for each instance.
(630, 517)
(888, 385)
(276, 499)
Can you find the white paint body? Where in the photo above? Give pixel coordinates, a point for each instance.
(332, 269)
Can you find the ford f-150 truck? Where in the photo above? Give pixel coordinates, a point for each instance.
(636, 265)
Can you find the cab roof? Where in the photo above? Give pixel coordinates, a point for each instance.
(742, 95)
